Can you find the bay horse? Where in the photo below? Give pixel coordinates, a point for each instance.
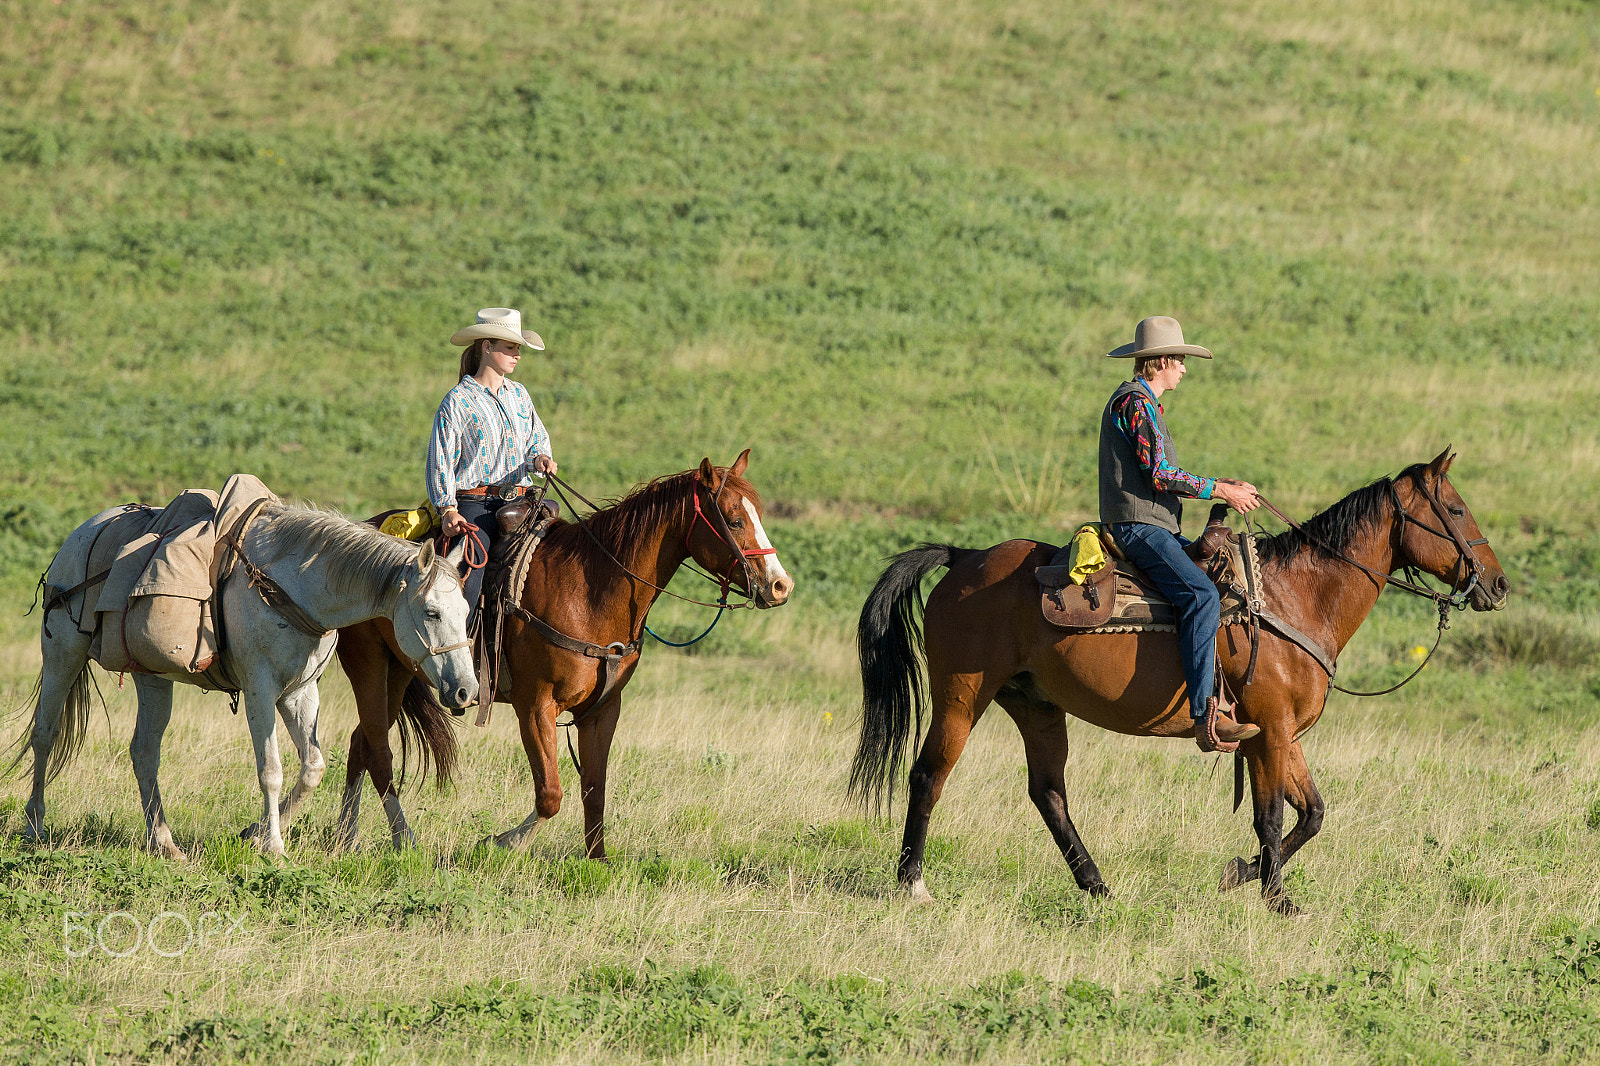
(986, 640)
(337, 573)
(594, 579)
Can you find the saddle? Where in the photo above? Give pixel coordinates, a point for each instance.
(1119, 598)
(522, 527)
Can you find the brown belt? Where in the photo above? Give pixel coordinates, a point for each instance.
(494, 494)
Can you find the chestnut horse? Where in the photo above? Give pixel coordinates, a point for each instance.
(594, 579)
(986, 640)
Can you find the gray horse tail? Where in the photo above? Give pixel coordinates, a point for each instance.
(70, 731)
(893, 694)
(425, 723)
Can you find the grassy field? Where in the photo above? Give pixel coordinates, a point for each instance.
(883, 244)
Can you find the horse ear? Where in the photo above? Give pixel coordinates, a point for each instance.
(425, 556)
(1441, 463)
(737, 469)
(708, 473)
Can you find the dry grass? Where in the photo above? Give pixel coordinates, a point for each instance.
(1465, 849)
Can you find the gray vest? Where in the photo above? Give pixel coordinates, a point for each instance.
(1126, 494)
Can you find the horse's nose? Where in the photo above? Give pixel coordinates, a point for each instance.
(461, 696)
(1501, 587)
(781, 589)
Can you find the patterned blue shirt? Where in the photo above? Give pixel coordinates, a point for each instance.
(483, 438)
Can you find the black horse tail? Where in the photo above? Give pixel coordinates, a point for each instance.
(893, 693)
(425, 724)
(71, 729)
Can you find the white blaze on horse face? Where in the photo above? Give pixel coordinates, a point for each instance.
(774, 568)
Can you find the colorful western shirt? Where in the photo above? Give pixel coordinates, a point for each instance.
(483, 438)
(1136, 418)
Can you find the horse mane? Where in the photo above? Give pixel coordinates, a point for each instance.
(621, 522)
(1333, 530)
(363, 562)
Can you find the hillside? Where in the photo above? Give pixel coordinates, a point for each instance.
(884, 244)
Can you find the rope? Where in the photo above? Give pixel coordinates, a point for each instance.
(473, 545)
(674, 644)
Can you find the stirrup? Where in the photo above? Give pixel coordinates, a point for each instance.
(1218, 731)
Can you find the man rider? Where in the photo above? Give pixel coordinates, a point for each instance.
(1140, 489)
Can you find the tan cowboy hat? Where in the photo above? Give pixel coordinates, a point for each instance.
(1158, 335)
(501, 324)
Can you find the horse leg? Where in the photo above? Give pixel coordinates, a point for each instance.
(1268, 781)
(260, 711)
(381, 760)
(959, 701)
(63, 690)
(155, 711)
(594, 746)
(299, 711)
(347, 832)
(1044, 737)
(1301, 793)
(365, 659)
(537, 723)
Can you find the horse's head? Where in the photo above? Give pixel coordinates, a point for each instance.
(430, 626)
(730, 541)
(1439, 535)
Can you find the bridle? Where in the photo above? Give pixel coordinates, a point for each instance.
(741, 556)
(1412, 582)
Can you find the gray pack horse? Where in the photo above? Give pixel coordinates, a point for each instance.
(337, 573)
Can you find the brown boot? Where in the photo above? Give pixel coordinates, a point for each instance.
(1217, 731)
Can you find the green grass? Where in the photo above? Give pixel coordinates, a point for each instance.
(884, 245)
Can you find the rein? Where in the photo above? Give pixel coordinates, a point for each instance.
(1413, 584)
(558, 484)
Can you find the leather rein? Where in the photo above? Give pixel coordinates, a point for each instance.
(719, 529)
(1412, 583)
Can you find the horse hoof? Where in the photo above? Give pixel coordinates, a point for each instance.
(1099, 890)
(1284, 907)
(919, 893)
(250, 832)
(1232, 875)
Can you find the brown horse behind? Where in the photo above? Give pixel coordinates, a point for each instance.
(986, 640)
(595, 581)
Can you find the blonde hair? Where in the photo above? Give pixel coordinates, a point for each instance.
(1148, 366)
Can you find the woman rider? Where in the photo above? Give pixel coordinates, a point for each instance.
(487, 440)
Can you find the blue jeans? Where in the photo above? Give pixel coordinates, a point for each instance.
(480, 511)
(1160, 555)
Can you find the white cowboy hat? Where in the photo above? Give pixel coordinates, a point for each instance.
(501, 324)
(1158, 335)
